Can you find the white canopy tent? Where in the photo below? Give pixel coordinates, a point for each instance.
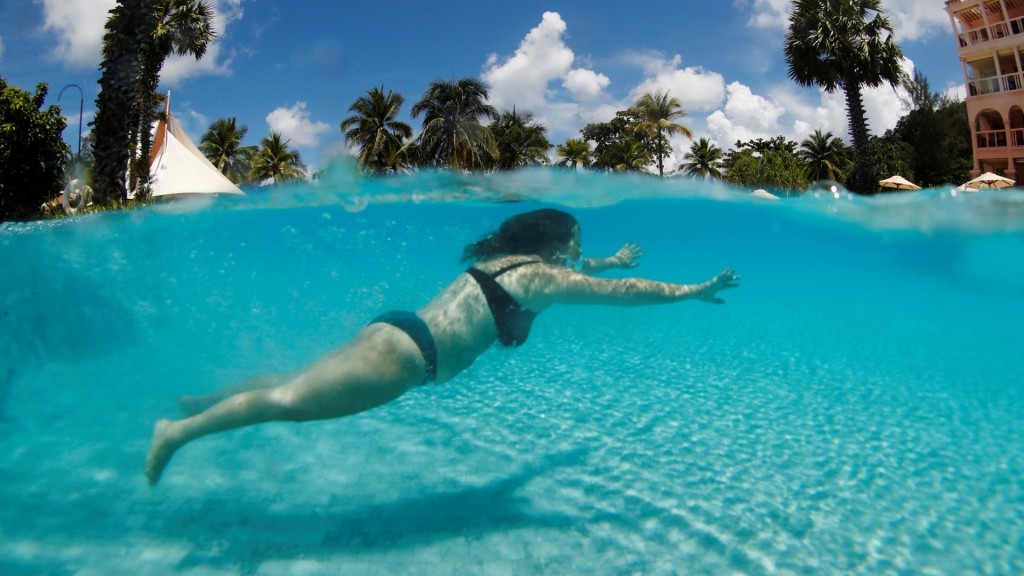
(177, 167)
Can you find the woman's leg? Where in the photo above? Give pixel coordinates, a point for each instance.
(379, 365)
(192, 405)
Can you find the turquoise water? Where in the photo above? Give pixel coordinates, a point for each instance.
(855, 408)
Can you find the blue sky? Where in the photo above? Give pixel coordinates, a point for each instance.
(296, 67)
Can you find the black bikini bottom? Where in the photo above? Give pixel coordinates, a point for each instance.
(417, 329)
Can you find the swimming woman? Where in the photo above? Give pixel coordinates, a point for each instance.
(516, 272)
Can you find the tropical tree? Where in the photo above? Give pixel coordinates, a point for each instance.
(139, 36)
(182, 27)
(938, 133)
(655, 114)
(452, 133)
(375, 129)
(126, 29)
(825, 155)
(32, 153)
(766, 163)
(891, 156)
(844, 45)
(575, 152)
(222, 146)
(626, 156)
(275, 160)
(520, 141)
(704, 159)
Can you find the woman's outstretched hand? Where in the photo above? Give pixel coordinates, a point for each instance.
(627, 255)
(725, 280)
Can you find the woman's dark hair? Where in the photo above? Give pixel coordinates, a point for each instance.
(527, 233)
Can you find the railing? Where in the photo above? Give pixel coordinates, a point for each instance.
(995, 84)
(991, 138)
(1017, 137)
(993, 32)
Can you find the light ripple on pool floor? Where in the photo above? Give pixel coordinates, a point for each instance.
(874, 430)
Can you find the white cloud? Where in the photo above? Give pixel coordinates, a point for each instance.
(697, 89)
(78, 27)
(745, 116)
(727, 113)
(1, 49)
(540, 77)
(916, 19)
(770, 14)
(585, 84)
(911, 19)
(214, 62)
(522, 80)
(295, 125)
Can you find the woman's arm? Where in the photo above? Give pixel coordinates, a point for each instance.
(554, 285)
(624, 258)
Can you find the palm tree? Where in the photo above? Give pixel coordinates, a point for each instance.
(222, 146)
(274, 160)
(704, 159)
(575, 152)
(374, 127)
(656, 113)
(452, 134)
(520, 140)
(825, 155)
(139, 36)
(844, 44)
(126, 28)
(182, 27)
(627, 156)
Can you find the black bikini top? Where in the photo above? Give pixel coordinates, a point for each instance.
(512, 320)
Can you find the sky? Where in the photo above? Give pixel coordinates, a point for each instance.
(297, 67)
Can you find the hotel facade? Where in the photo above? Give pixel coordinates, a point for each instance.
(990, 37)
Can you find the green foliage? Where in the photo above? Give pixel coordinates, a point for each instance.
(766, 164)
(276, 161)
(655, 114)
(618, 145)
(182, 27)
(452, 134)
(520, 141)
(704, 159)
(939, 136)
(126, 29)
(575, 152)
(375, 129)
(826, 156)
(890, 156)
(32, 153)
(844, 44)
(139, 37)
(222, 146)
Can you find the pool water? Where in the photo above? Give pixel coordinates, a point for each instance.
(855, 408)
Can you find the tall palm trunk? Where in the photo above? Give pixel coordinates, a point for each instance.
(661, 155)
(117, 99)
(142, 123)
(861, 178)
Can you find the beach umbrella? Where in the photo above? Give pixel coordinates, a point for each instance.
(898, 183)
(989, 180)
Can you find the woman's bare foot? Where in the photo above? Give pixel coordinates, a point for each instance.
(160, 450)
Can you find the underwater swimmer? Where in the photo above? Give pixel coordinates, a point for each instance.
(517, 271)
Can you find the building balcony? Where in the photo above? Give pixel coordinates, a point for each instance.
(995, 84)
(998, 138)
(996, 31)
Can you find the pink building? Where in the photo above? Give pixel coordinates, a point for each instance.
(990, 35)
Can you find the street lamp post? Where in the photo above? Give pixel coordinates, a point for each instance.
(81, 109)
